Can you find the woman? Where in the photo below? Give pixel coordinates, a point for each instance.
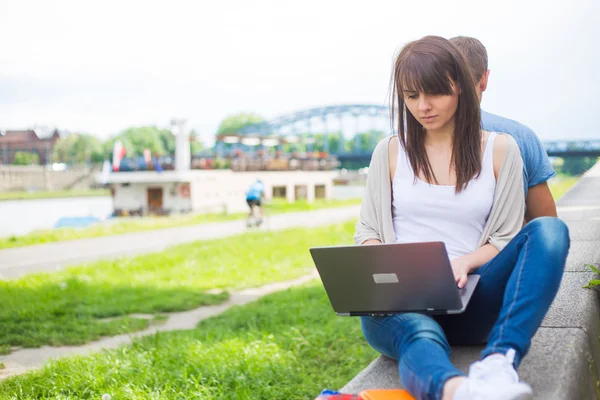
(444, 179)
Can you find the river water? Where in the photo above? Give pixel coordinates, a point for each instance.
(18, 217)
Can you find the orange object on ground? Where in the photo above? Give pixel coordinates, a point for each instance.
(386, 394)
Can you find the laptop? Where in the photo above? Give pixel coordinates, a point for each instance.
(388, 279)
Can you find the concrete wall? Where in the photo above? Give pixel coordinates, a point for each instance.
(35, 177)
(135, 197)
(217, 191)
(226, 190)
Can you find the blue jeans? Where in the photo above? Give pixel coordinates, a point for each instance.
(515, 290)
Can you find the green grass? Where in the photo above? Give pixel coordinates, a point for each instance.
(560, 184)
(150, 223)
(67, 307)
(593, 282)
(282, 206)
(160, 318)
(54, 194)
(288, 345)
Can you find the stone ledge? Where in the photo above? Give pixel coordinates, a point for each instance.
(564, 360)
(558, 367)
(575, 307)
(566, 349)
(584, 230)
(583, 252)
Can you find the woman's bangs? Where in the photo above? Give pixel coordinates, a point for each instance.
(419, 74)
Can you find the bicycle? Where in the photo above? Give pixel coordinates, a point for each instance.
(254, 220)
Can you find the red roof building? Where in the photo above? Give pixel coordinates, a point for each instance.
(33, 141)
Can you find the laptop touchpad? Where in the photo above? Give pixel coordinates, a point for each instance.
(385, 278)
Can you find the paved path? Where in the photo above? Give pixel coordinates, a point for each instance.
(50, 257)
(22, 360)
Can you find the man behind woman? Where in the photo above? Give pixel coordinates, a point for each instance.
(443, 178)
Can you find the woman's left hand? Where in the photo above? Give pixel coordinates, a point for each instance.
(460, 268)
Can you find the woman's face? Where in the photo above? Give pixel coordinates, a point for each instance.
(434, 112)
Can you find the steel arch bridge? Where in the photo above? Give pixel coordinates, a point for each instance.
(322, 113)
(359, 118)
(323, 120)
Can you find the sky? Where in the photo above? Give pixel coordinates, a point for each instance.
(102, 66)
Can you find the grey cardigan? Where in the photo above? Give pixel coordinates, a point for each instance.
(504, 222)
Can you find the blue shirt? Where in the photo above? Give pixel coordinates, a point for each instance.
(536, 164)
(255, 192)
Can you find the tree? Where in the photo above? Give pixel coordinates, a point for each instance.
(168, 141)
(26, 158)
(334, 142)
(576, 166)
(78, 148)
(196, 142)
(137, 139)
(234, 123)
(366, 141)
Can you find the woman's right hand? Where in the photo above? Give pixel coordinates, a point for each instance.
(461, 269)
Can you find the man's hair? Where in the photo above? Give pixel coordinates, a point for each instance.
(475, 53)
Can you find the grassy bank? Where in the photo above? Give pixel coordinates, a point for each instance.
(560, 184)
(53, 194)
(68, 307)
(150, 223)
(288, 345)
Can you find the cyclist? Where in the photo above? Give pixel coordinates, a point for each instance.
(254, 197)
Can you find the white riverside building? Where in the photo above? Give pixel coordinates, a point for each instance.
(186, 190)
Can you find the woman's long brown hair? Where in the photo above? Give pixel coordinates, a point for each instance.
(432, 65)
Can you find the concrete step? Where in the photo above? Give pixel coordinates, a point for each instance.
(564, 360)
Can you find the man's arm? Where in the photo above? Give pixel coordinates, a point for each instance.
(539, 202)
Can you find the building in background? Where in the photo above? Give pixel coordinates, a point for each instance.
(40, 141)
(185, 190)
(216, 191)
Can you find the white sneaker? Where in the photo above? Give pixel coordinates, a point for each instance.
(493, 378)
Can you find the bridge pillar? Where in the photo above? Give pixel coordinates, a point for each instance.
(342, 139)
(357, 133)
(310, 136)
(357, 143)
(325, 135)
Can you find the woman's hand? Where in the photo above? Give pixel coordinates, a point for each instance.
(461, 268)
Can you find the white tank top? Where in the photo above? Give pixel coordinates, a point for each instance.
(425, 212)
